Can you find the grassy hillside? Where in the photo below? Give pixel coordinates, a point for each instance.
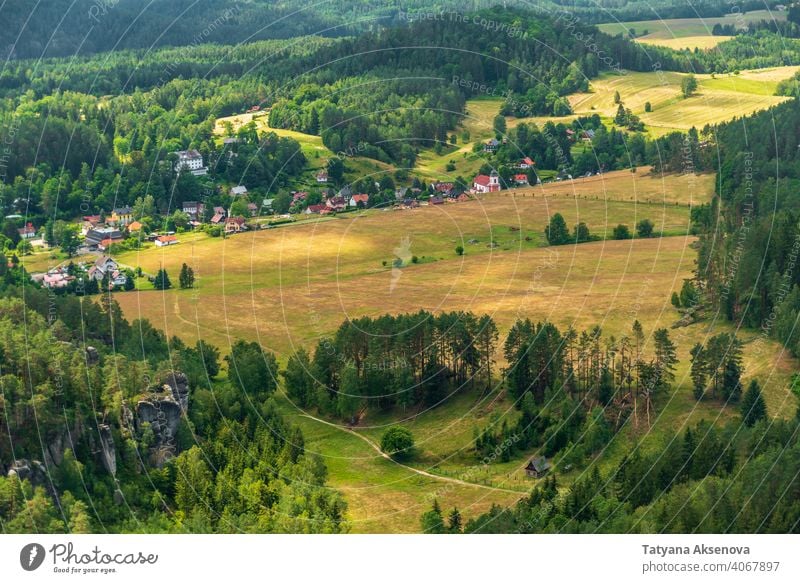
(717, 99)
(678, 33)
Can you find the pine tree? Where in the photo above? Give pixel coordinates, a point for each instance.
(754, 409)
(454, 521)
(699, 370)
(186, 277)
(621, 118)
(161, 280)
(557, 232)
(432, 522)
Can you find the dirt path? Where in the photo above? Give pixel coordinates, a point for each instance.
(375, 446)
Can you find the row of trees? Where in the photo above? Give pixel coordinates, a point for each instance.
(394, 361)
(557, 232)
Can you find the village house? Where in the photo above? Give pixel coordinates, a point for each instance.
(317, 209)
(89, 222)
(166, 240)
(104, 236)
(234, 225)
(441, 187)
(484, 183)
(299, 196)
(135, 227)
(537, 467)
(219, 215)
(521, 179)
(359, 200)
(463, 197)
(57, 279)
(121, 216)
(252, 208)
(192, 161)
(239, 190)
(436, 200)
(194, 209)
(491, 145)
(267, 204)
(322, 177)
(337, 203)
(526, 163)
(27, 232)
(105, 265)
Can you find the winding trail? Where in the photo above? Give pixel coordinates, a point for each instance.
(384, 455)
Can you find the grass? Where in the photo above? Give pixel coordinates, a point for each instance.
(478, 120)
(717, 100)
(292, 285)
(689, 33)
(702, 42)
(313, 148)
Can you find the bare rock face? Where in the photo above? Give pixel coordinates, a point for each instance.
(108, 453)
(92, 356)
(33, 471)
(161, 411)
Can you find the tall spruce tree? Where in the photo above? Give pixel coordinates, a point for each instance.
(754, 409)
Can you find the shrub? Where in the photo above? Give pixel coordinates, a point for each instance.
(397, 442)
(622, 232)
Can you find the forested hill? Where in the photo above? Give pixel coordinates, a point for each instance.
(520, 47)
(58, 28)
(749, 261)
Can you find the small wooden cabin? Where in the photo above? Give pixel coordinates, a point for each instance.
(537, 467)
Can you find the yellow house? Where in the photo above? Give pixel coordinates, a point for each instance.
(121, 216)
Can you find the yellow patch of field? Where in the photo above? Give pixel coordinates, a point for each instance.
(671, 28)
(704, 42)
(641, 186)
(717, 100)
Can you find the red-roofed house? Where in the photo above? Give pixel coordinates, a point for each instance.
(484, 183)
(166, 240)
(234, 224)
(521, 179)
(27, 232)
(359, 200)
(336, 203)
(526, 163)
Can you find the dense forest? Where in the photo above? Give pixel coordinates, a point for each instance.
(748, 259)
(108, 426)
(57, 28)
(704, 480)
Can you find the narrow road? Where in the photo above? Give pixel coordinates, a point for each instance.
(375, 446)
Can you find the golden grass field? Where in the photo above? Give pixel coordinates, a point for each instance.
(286, 287)
(691, 33)
(717, 99)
